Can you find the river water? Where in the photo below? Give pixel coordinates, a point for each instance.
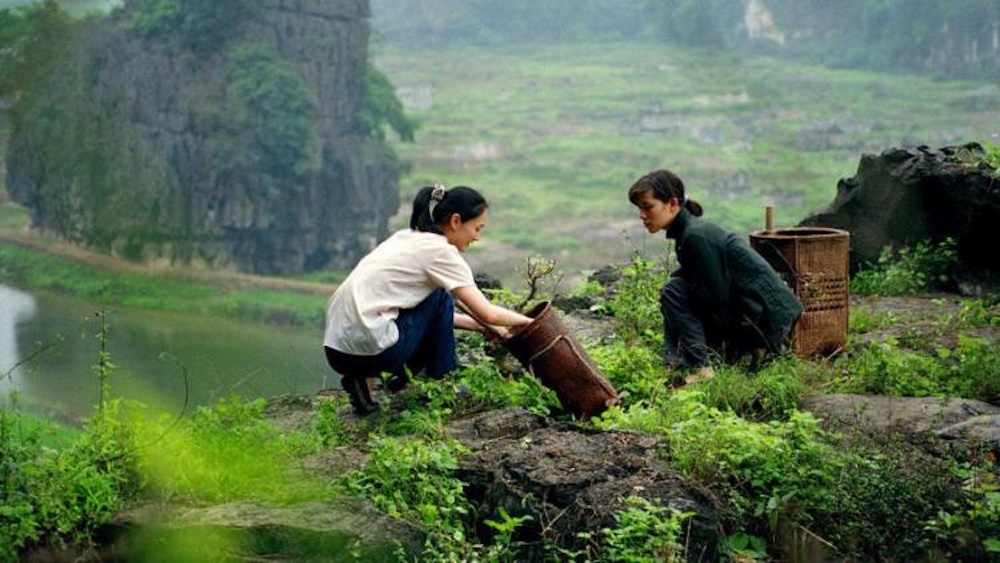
(49, 346)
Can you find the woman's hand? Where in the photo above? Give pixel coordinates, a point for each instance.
(479, 307)
(492, 334)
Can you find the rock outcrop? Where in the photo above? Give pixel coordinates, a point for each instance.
(571, 480)
(958, 428)
(245, 154)
(902, 197)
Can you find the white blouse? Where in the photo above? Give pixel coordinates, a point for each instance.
(398, 274)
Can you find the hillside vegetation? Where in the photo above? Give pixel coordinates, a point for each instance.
(555, 134)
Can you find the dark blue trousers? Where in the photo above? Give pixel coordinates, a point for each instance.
(426, 342)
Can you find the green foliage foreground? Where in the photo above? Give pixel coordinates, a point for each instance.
(741, 435)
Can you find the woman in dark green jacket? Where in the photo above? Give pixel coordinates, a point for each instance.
(724, 297)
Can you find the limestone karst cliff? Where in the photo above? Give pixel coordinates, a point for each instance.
(223, 134)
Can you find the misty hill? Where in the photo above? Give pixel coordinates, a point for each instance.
(945, 38)
(234, 134)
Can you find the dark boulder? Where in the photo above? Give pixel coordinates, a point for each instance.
(905, 196)
(571, 479)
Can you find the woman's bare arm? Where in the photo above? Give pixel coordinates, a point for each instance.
(480, 307)
(466, 322)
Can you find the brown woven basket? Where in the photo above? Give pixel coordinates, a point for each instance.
(547, 349)
(814, 262)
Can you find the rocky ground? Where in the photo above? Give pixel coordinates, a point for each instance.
(575, 478)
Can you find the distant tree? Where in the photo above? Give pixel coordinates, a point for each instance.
(697, 23)
(489, 22)
(201, 25)
(381, 107)
(34, 40)
(263, 135)
(955, 38)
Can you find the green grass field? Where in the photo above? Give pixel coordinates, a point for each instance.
(74, 7)
(554, 135)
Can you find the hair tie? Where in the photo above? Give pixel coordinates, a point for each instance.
(437, 194)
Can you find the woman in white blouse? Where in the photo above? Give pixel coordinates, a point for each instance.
(396, 310)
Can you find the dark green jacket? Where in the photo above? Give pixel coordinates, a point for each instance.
(730, 283)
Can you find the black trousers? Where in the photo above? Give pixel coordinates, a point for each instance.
(690, 341)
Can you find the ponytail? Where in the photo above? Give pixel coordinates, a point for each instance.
(433, 205)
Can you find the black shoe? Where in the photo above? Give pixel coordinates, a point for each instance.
(360, 396)
(397, 382)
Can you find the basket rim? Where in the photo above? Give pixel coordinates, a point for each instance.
(800, 233)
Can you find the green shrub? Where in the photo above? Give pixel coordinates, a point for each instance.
(926, 266)
(769, 393)
(635, 371)
(330, 426)
(969, 528)
(645, 531)
(414, 479)
(885, 368)
(973, 369)
(58, 497)
(763, 469)
(635, 303)
(878, 506)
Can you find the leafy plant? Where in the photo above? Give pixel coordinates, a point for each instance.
(980, 312)
(763, 468)
(202, 27)
(988, 157)
(645, 532)
(504, 547)
(330, 426)
(381, 108)
(883, 368)
(636, 371)
(635, 303)
(772, 392)
(413, 479)
(975, 517)
(54, 497)
(745, 547)
(926, 266)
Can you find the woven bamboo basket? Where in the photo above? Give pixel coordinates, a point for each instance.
(814, 262)
(546, 348)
